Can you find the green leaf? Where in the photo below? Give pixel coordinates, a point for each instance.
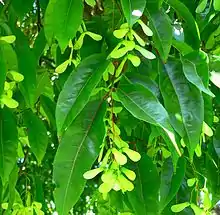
(215, 78)
(27, 64)
(147, 54)
(135, 60)
(182, 47)
(22, 7)
(191, 31)
(202, 5)
(8, 39)
(8, 143)
(133, 10)
(3, 69)
(197, 210)
(216, 4)
(91, 3)
(171, 181)
(143, 104)
(9, 102)
(180, 207)
(80, 142)
(144, 197)
(145, 28)
(62, 67)
(191, 182)
(62, 20)
(195, 68)
(77, 90)
(190, 102)
(120, 33)
(15, 76)
(161, 26)
(94, 36)
(37, 135)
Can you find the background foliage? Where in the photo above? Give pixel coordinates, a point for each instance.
(126, 89)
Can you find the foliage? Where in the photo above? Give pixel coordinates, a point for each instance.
(110, 107)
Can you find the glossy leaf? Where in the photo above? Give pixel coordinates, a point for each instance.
(192, 36)
(80, 142)
(162, 31)
(8, 143)
(133, 10)
(62, 20)
(77, 90)
(142, 104)
(195, 68)
(37, 135)
(190, 101)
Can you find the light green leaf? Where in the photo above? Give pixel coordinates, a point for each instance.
(79, 42)
(62, 20)
(133, 10)
(91, 3)
(92, 173)
(138, 38)
(147, 54)
(119, 53)
(94, 36)
(9, 102)
(78, 89)
(8, 143)
(216, 4)
(202, 5)
(180, 207)
(120, 33)
(135, 60)
(37, 135)
(80, 142)
(215, 78)
(145, 28)
(8, 39)
(191, 182)
(15, 76)
(197, 210)
(62, 67)
(207, 130)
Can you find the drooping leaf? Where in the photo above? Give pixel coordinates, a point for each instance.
(3, 70)
(162, 31)
(190, 101)
(37, 135)
(77, 90)
(27, 67)
(170, 181)
(8, 143)
(144, 198)
(192, 36)
(143, 104)
(62, 20)
(133, 10)
(80, 142)
(195, 68)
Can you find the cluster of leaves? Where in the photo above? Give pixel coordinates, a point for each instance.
(125, 93)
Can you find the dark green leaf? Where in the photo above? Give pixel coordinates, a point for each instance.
(161, 26)
(77, 90)
(144, 198)
(171, 181)
(8, 143)
(143, 104)
(3, 70)
(195, 68)
(37, 134)
(80, 142)
(192, 36)
(190, 101)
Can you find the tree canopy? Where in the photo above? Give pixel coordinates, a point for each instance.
(109, 107)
